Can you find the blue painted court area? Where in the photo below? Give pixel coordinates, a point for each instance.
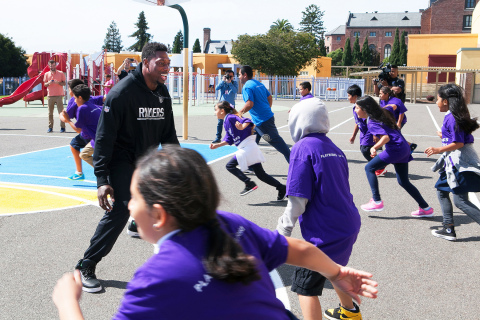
(52, 167)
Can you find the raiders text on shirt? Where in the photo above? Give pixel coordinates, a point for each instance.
(151, 114)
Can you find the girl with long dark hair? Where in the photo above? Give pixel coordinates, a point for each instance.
(208, 264)
(397, 152)
(459, 164)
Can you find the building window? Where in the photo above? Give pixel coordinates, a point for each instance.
(356, 34)
(339, 38)
(467, 22)
(219, 50)
(328, 38)
(469, 4)
(373, 34)
(388, 34)
(304, 73)
(388, 51)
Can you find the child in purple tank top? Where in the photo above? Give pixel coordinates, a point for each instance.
(207, 264)
(239, 131)
(459, 165)
(381, 124)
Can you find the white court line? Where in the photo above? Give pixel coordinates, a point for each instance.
(35, 135)
(43, 176)
(19, 154)
(471, 195)
(338, 125)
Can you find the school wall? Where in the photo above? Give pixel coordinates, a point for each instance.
(324, 67)
(476, 23)
(209, 62)
(420, 46)
(118, 58)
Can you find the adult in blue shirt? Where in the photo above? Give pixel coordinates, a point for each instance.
(228, 90)
(258, 101)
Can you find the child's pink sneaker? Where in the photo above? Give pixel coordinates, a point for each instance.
(372, 206)
(420, 213)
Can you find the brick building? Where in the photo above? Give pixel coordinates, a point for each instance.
(378, 27)
(335, 39)
(448, 16)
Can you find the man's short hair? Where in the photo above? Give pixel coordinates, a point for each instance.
(150, 50)
(354, 90)
(52, 62)
(306, 85)
(248, 70)
(83, 91)
(108, 76)
(394, 66)
(74, 82)
(229, 71)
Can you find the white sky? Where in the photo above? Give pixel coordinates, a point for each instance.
(63, 25)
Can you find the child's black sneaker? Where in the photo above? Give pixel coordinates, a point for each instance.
(282, 192)
(249, 187)
(342, 313)
(447, 233)
(132, 229)
(413, 146)
(90, 282)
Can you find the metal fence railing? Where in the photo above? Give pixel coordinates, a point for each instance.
(9, 84)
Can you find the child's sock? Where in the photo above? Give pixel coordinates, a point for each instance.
(79, 173)
(378, 202)
(427, 208)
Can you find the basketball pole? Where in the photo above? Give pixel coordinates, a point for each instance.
(185, 69)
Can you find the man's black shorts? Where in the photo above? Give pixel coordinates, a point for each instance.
(306, 282)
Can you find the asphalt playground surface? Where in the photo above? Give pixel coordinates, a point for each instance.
(46, 220)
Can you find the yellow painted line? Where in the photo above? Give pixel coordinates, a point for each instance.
(22, 199)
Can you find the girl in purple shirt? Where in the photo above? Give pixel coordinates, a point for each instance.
(382, 125)
(239, 131)
(457, 143)
(388, 98)
(207, 264)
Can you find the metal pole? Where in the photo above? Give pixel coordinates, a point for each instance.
(185, 69)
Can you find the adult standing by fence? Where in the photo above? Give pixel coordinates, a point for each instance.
(54, 81)
(258, 101)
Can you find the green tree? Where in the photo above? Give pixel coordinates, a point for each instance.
(357, 54)
(312, 21)
(347, 54)
(276, 53)
(403, 50)
(13, 62)
(323, 49)
(366, 53)
(375, 56)
(395, 56)
(113, 40)
(336, 57)
(282, 25)
(141, 34)
(196, 47)
(178, 43)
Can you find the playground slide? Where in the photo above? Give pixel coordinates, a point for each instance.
(36, 95)
(23, 89)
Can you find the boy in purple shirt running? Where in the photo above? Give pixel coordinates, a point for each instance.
(87, 115)
(319, 197)
(208, 264)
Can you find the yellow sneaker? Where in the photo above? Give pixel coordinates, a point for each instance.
(342, 313)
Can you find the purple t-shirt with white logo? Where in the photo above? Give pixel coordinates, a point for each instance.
(450, 135)
(87, 120)
(398, 111)
(318, 171)
(397, 149)
(235, 136)
(366, 138)
(173, 284)
(72, 106)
